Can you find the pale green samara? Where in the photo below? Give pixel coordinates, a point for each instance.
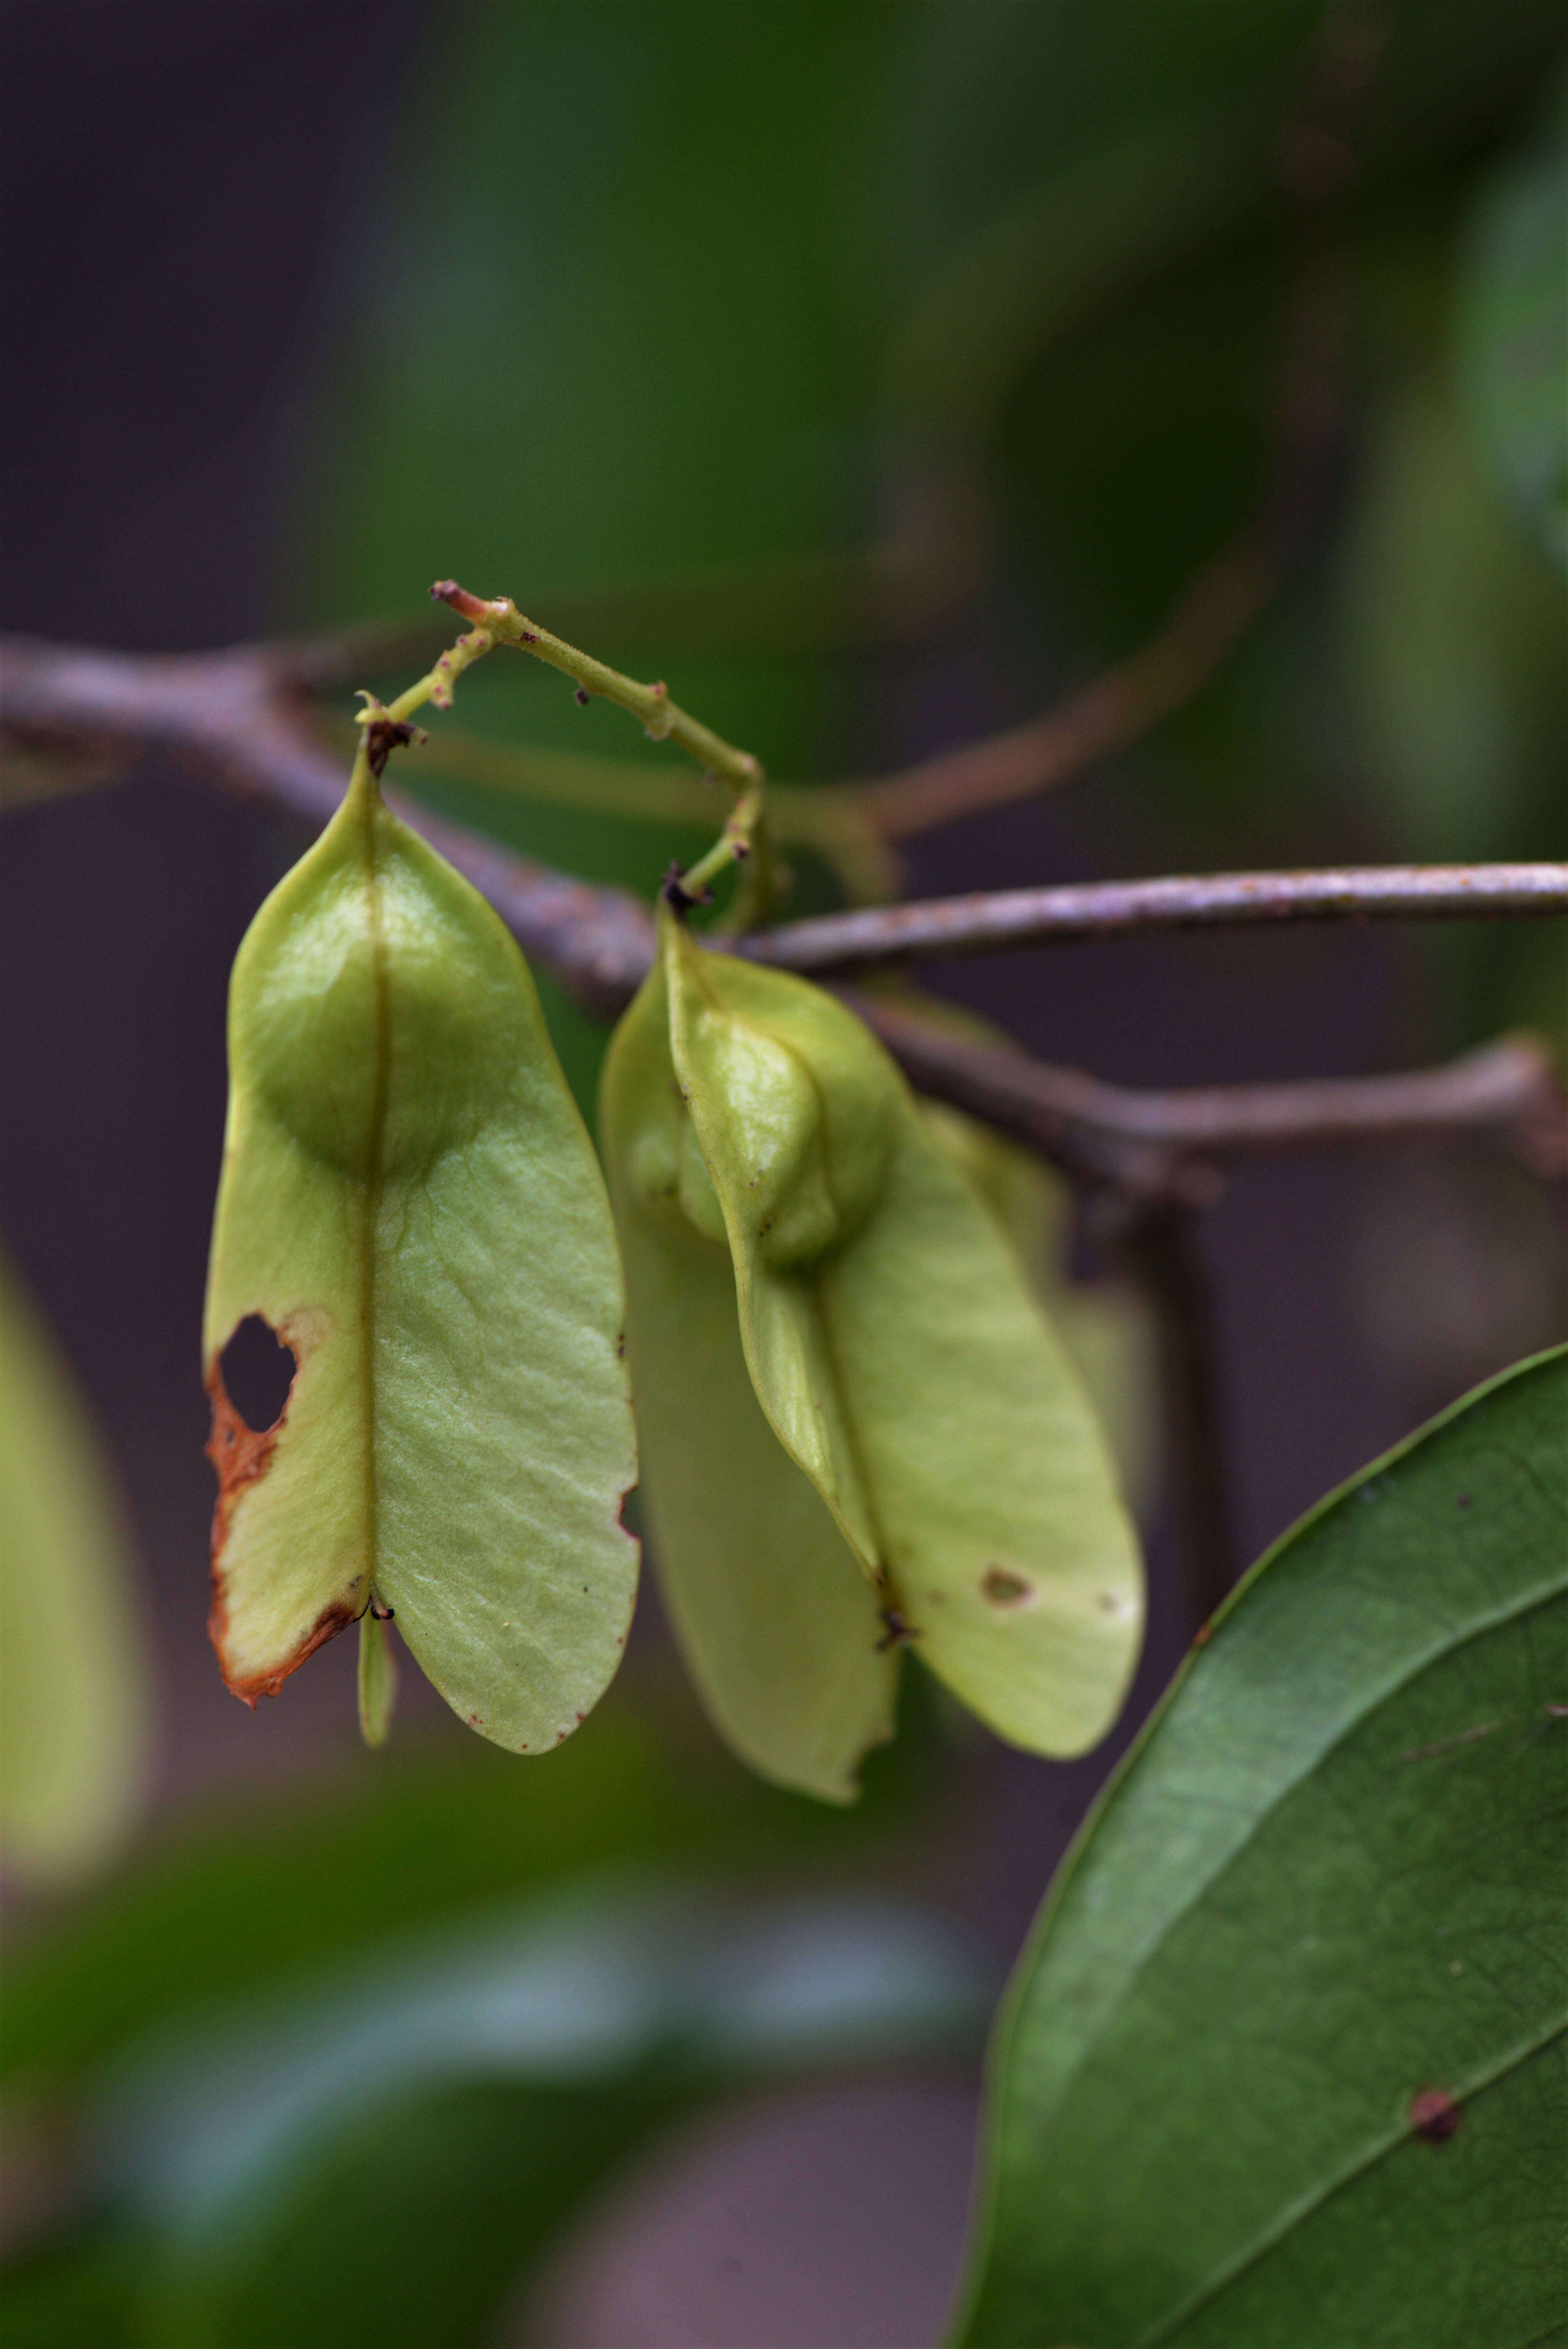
(911, 1384)
(410, 1202)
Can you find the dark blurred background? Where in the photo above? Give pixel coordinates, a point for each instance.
(650, 313)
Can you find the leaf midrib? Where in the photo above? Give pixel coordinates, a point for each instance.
(371, 1219)
(1299, 2212)
(1522, 1606)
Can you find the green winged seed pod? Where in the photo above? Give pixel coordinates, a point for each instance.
(1104, 1324)
(780, 1627)
(898, 1356)
(410, 1203)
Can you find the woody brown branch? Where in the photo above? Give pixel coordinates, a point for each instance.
(231, 719)
(1171, 1147)
(937, 928)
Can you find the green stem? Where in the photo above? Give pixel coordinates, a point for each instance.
(822, 817)
(436, 688)
(735, 843)
(386, 724)
(499, 621)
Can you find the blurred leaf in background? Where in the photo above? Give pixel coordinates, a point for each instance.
(680, 304)
(1453, 629)
(1141, 441)
(1405, 695)
(76, 1692)
(1511, 329)
(337, 2070)
(507, 2066)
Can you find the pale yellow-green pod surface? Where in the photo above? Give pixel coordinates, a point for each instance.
(378, 1679)
(411, 1200)
(780, 1627)
(76, 1701)
(1105, 1324)
(901, 1359)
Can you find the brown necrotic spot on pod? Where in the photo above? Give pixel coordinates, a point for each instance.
(257, 1358)
(239, 1451)
(1003, 1588)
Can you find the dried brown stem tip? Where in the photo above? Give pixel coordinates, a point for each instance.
(382, 736)
(472, 608)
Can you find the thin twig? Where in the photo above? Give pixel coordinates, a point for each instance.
(228, 718)
(744, 839)
(935, 929)
(817, 817)
(661, 719)
(1170, 1148)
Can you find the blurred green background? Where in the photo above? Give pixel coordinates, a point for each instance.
(875, 372)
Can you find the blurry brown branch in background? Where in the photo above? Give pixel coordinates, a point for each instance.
(1314, 163)
(234, 719)
(1146, 1161)
(1170, 1149)
(1161, 1251)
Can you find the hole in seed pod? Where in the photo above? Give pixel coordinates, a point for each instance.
(1004, 1589)
(258, 1373)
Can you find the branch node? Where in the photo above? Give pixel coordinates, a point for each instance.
(383, 736)
(675, 895)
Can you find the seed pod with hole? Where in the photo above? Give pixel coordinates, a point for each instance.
(894, 1350)
(410, 1203)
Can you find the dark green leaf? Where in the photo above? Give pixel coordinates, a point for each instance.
(1321, 1906)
